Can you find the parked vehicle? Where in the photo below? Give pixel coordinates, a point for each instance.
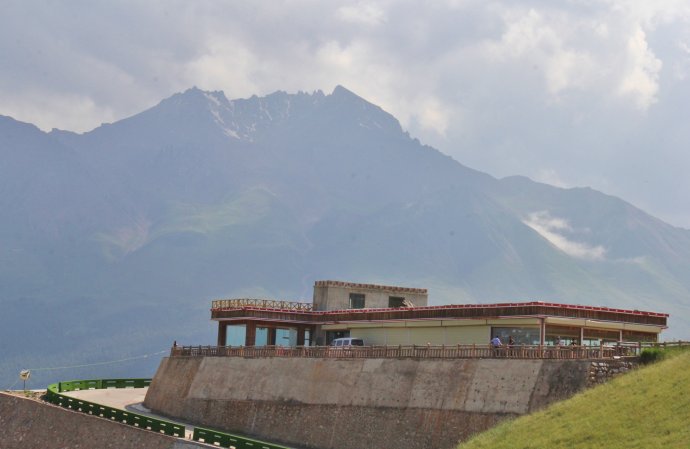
(339, 342)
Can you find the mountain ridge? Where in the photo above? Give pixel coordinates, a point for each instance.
(200, 196)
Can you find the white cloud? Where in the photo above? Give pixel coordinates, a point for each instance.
(576, 91)
(224, 62)
(362, 12)
(641, 80)
(550, 176)
(434, 115)
(601, 54)
(553, 230)
(69, 111)
(681, 68)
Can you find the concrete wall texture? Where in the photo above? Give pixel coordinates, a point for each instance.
(28, 423)
(329, 296)
(356, 403)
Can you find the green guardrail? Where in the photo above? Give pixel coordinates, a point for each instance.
(53, 395)
(208, 436)
(227, 440)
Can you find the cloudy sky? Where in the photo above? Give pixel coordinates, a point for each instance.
(572, 93)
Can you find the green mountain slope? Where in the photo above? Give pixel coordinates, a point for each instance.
(648, 408)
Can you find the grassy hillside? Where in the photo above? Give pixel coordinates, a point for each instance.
(648, 408)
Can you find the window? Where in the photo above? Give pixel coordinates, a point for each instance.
(594, 337)
(332, 335)
(567, 335)
(356, 300)
(396, 301)
(521, 335)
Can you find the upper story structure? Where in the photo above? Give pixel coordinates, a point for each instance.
(389, 315)
(337, 295)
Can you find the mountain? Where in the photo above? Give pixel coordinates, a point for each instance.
(114, 241)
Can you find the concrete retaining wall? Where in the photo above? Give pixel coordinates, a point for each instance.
(28, 423)
(355, 403)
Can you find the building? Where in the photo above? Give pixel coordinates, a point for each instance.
(389, 315)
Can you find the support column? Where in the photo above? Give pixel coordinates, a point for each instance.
(271, 337)
(300, 335)
(582, 336)
(542, 331)
(222, 333)
(312, 335)
(250, 334)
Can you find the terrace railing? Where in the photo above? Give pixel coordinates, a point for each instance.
(261, 304)
(413, 351)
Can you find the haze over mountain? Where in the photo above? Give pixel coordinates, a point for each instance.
(114, 241)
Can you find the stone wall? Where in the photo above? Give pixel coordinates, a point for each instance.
(28, 423)
(601, 371)
(355, 403)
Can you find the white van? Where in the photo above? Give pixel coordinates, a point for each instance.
(347, 342)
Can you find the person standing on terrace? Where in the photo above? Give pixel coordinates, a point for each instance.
(496, 344)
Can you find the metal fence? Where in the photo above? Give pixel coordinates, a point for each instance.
(54, 396)
(228, 440)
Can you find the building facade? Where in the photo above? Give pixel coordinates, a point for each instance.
(389, 316)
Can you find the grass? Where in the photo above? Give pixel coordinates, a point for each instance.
(647, 408)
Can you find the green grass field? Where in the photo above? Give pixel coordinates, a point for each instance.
(647, 408)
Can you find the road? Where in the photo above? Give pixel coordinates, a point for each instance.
(130, 399)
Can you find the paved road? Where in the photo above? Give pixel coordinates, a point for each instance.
(130, 399)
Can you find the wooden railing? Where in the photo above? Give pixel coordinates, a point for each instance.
(260, 303)
(424, 352)
(665, 344)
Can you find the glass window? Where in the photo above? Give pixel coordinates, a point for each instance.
(594, 337)
(567, 335)
(639, 336)
(396, 301)
(521, 335)
(356, 300)
(332, 335)
(235, 335)
(286, 337)
(261, 336)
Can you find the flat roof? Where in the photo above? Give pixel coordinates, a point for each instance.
(228, 309)
(503, 305)
(387, 288)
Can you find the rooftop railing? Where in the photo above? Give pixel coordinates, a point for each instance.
(412, 351)
(261, 304)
